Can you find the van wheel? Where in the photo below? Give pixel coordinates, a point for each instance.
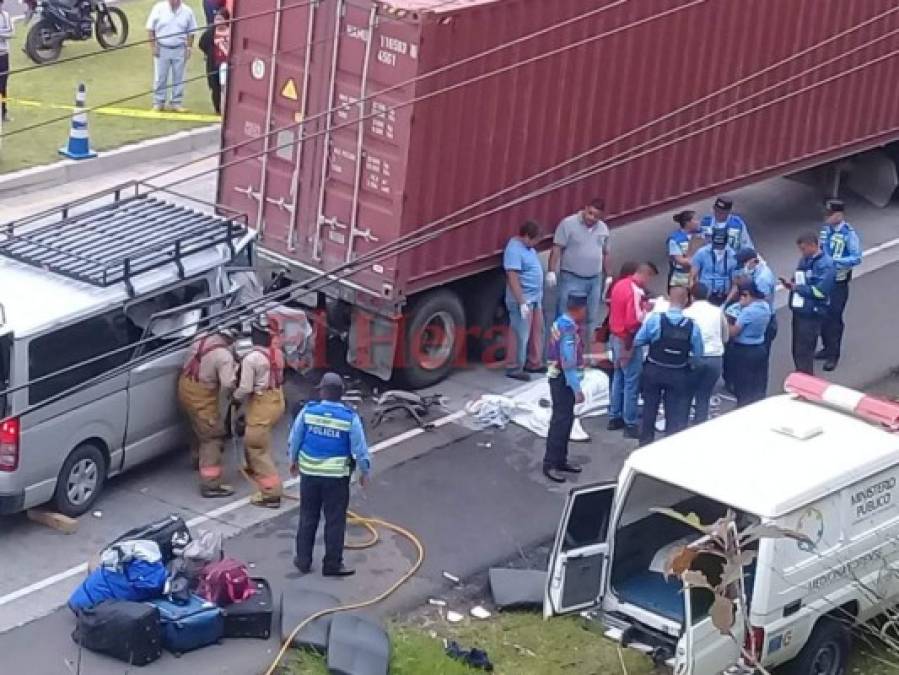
(825, 653)
(433, 339)
(80, 480)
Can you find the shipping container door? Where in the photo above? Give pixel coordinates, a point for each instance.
(362, 159)
(266, 98)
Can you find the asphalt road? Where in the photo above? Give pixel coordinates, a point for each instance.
(472, 505)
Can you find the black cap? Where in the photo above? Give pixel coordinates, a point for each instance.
(744, 255)
(724, 203)
(576, 300)
(330, 380)
(835, 205)
(262, 324)
(751, 288)
(719, 237)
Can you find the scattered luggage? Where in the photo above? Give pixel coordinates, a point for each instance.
(189, 626)
(206, 548)
(251, 618)
(225, 582)
(170, 533)
(136, 580)
(127, 631)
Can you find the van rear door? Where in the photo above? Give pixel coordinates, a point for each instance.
(579, 564)
(703, 649)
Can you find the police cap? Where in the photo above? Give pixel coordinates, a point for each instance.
(724, 203)
(330, 380)
(719, 237)
(744, 255)
(835, 205)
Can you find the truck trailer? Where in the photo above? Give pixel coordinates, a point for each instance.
(354, 124)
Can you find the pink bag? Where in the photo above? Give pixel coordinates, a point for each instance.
(225, 582)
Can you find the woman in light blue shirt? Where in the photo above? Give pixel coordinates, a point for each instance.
(748, 352)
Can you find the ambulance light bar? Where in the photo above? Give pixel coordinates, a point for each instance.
(869, 408)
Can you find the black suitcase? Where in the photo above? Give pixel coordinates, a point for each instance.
(170, 533)
(128, 631)
(251, 618)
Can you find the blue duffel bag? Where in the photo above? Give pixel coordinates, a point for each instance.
(137, 580)
(191, 625)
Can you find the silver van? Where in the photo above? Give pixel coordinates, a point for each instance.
(81, 297)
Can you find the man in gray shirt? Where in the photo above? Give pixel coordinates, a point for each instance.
(580, 254)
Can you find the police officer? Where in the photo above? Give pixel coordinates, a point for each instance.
(675, 345)
(679, 248)
(261, 380)
(715, 265)
(748, 350)
(723, 218)
(565, 361)
(210, 371)
(752, 269)
(841, 242)
(326, 443)
(810, 292)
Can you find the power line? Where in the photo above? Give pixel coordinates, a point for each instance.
(423, 235)
(396, 247)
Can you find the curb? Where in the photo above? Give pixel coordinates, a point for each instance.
(110, 161)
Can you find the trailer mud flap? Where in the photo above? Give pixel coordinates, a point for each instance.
(371, 345)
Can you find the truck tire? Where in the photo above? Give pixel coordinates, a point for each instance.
(433, 339)
(825, 653)
(80, 480)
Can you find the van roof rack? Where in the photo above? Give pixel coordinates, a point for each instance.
(114, 242)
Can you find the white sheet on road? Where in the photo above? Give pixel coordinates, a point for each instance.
(525, 409)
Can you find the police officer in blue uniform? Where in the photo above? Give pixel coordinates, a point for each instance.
(723, 218)
(679, 248)
(841, 242)
(565, 365)
(810, 291)
(675, 346)
(326, 443)
(715, 265)
(748, 349)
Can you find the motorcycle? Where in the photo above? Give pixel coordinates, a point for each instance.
(60, 20)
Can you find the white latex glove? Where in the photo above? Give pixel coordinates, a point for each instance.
(525, 310)
(551, 279)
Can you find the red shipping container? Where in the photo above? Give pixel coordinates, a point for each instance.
(679, 99)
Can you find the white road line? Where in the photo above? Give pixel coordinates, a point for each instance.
(244, 501)
(236, 504)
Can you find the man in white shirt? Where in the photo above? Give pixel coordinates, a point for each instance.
(171, 26)
(713, 326)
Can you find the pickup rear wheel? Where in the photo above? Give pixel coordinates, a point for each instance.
(80, 480)
(825, 653)
(433, 339)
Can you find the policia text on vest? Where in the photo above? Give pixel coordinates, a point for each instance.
(326, 443)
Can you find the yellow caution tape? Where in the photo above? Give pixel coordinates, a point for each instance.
(124, 112)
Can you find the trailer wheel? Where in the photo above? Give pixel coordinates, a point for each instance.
(433, 339)
(825, 653)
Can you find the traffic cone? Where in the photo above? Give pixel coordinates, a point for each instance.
(79, 146)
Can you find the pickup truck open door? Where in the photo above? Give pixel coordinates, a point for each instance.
(579, 564)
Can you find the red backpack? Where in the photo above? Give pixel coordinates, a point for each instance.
(225, 582)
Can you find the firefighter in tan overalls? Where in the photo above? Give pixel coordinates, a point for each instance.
(210, 371)
(261, 377)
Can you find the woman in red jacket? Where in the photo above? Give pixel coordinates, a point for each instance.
(215, 43)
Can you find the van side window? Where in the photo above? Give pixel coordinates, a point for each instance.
(141, 313)
(72, 344)
(584, 527)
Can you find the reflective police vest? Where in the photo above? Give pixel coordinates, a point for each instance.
(325, 447)
(677, 274)
(734, 225)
